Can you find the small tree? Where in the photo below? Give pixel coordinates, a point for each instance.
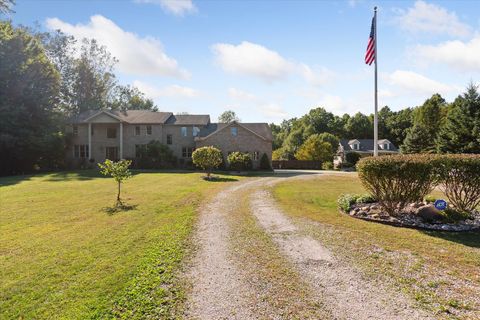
(352, 157)
(117, 170)
(315, 149)
(207, 158)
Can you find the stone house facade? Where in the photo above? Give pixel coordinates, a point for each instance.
(99, 135)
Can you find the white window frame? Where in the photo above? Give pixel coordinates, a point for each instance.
(138, 132)
(234, 131)
(147, 130)
(75, 130)
(255, 155)
(184, 131)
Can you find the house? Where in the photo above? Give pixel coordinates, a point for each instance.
(97, 135)
(364, 147)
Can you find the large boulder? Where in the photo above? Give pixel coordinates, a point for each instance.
(429, 213)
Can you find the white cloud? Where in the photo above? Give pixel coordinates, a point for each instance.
(136, 55)
(169, 91)
(430, 18)
(177, 7)
(417, 83)
(273, 110)
(255, 60)
(240, 95)
(464, 56)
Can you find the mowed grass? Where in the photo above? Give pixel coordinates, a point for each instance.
(63, 256)
(441, 270)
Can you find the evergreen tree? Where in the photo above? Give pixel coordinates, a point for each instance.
(418, 140)
(460, 132)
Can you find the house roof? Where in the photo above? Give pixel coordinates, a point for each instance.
(189, 119)
(128, 116)
(260, 129)
(366, 145)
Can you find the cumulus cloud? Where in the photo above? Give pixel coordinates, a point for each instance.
(244, 99)
(169, 91)
(460, 55)
(417, 83)
(255, 60)
(176, 7)
(136, 55)
(427, 17)
(273, 110)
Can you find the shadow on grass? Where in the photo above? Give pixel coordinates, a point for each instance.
(219, 179)
(470, 239)
(119, 207)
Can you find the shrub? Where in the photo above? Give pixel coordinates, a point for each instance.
(366, 198)
(396, 180)
(155, 155)
(265, 162)
(352, 157)
(239, 161)
(328, 165)
(345, 201)
(207, 158)
(460, 180)
(430, 199)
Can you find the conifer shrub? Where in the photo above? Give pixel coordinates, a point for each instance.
(459, 176)
(399, 179)
(265, 162)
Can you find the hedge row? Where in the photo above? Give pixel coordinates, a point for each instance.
(400, 179)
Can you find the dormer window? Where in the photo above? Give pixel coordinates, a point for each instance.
(355, 146)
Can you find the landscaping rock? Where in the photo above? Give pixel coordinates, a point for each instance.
(429, 213)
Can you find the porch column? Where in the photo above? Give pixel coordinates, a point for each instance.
(90, 140)
(120, 155)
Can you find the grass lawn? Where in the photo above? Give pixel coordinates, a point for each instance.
(440, 270)
(63, 256)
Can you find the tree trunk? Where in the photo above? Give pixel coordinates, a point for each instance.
(118, 194)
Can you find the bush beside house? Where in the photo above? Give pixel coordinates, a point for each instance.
(239, 161)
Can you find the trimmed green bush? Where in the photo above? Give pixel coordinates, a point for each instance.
(345, 201)
(327, 165)
(460, 180)
(352, 157)
(239, 161)
(265, 163)
(397, 180)
(207, 158)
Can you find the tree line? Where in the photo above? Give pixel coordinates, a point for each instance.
(436, 126)
(45, 79)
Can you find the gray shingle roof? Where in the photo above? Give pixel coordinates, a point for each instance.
(189, 119)
(129, 116)
(366, 145)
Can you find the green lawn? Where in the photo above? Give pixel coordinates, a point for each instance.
(62, 255)
(441, 270)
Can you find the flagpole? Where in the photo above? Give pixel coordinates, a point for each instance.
(375, 117)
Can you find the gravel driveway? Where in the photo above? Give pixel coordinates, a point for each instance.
(219, 291)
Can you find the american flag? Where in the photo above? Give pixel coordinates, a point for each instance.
(370, 54)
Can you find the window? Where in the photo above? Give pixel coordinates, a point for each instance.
(81, 151)
(149, 130)
(234, 131)
(91, 131)
(355, 146)
(255, 156)
(386, 146)
(75, 130)
(184, 131)
(195, 131)
(111, 133)
(169, 139)
(137, 130)
(187, 152)
(139, 150)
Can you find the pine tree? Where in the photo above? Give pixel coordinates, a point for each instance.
(418, 140)
(460, 132)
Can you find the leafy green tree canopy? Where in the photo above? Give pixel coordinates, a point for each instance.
(208, 158)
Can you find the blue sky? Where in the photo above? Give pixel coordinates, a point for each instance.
(271, 60)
